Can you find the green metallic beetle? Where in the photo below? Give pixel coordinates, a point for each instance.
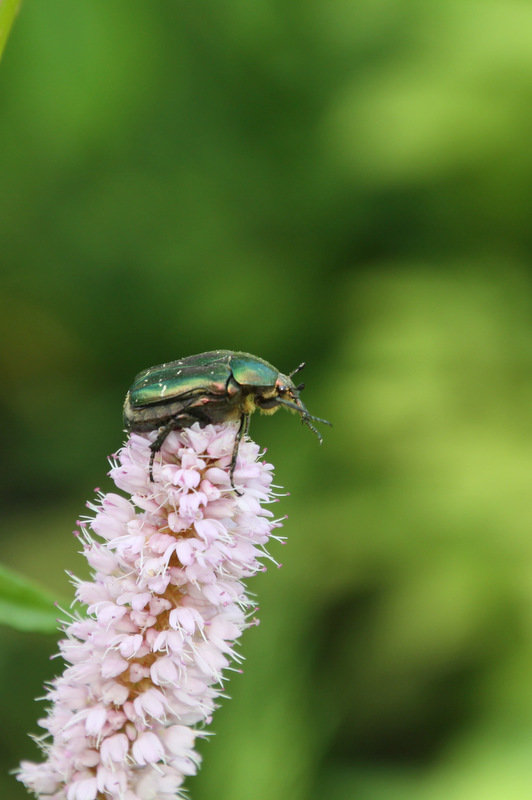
(217, 386)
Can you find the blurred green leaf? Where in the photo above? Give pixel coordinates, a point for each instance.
(25, 606)
(8, 12)
(336, 182)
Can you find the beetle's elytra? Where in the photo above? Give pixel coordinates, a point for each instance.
(217, 386)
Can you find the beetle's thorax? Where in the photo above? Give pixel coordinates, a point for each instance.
(251, 401)
(266, 399)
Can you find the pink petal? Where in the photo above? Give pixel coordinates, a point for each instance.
(114, 748)
(147, 749)
(85, 789)
(95, 720)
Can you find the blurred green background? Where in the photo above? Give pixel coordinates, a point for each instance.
(346, 183)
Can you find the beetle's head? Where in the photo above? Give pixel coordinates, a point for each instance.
(286, 393)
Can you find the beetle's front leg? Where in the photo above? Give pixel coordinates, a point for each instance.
(157, 443)
(242, 430)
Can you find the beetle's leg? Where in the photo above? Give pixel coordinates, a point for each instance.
(177, 422)
(242, 430)
(157, 443)
(152, 456)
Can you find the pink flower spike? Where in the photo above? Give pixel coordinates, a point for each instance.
(165, 607)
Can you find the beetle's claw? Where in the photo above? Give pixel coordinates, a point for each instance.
(306, 421)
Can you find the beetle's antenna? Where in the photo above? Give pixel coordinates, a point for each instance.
(297, 369)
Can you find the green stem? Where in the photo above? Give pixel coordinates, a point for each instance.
(8, 12)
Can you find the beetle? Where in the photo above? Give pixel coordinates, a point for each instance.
(217, 386)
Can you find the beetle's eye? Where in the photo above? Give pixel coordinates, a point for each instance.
(282, 389)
